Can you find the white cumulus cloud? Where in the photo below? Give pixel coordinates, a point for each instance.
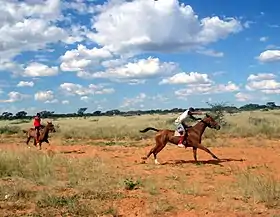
(207, 89)
(187, 78)
(65, 102)
(261, 76)
(134, 71)
(263, 39)
(264, 82)
(39, 70)
(270, 84)
(243, 97)
(269, 56)
(147, 26)
(45, 96)
(211, 53)
(28, 26)
(130, 102)
(77, 89)
(25, 84)
(85, 98)
(14, 96)
(82, 57)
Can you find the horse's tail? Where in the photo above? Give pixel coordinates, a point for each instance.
(24, 131)
(149, 128)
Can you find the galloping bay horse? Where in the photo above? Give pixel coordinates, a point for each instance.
(193, 139)
(44, 134)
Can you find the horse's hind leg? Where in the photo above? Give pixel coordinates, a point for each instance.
(160, 144)
(28, 139)
(40, 145)
(158, 149)
(150, 152)
(206, 150)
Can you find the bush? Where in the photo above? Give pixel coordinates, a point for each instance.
(9, 130)
(217, 112)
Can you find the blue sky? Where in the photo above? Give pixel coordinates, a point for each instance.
(63, 55)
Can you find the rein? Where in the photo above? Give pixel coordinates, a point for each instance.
(207, 124)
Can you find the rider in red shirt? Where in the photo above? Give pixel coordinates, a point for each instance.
(37, 125)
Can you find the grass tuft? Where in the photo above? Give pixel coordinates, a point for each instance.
(130, 184)
(30, 165)
(260, 188)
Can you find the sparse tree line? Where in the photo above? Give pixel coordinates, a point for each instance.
(217, 108)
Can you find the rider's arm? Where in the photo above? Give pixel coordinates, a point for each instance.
(194, 118)
(196, 113)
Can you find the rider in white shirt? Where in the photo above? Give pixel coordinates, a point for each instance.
(181, 126)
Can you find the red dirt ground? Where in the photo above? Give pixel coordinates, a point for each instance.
(177, 162)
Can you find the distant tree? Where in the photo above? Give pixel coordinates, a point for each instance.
(81, 111)
(7, 115)
(112, 112)
(231, 109)
(96, 113)
(251, 107)
(20, 114)
(176, 110)
(271, 105)
(46, 114)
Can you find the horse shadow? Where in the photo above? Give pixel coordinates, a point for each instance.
(202, 162)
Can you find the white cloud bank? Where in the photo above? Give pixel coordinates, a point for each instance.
(157, 26)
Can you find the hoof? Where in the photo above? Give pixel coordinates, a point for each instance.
(157, 163)
(144, 158)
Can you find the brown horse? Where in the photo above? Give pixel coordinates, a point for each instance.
(44, 134)
(193, 139)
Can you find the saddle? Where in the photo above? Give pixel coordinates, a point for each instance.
(41, 127)
(176, 133)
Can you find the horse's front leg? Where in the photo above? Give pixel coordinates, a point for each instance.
(34, 142)
(200, 146)
(47, 141)
(195, 153)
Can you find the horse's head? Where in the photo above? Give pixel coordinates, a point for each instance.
(211, 123)
(50, 126)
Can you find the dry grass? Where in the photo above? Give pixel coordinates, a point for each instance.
(57, 185)
(260, 188)
(39, 184)
(264, 124)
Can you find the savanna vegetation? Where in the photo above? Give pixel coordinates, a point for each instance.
(93, 167)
